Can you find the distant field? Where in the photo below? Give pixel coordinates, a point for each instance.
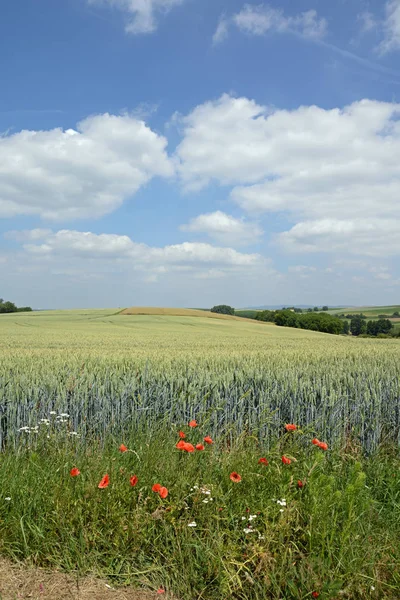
(176, 312)
(368, 311)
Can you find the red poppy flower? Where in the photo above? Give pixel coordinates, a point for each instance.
(286, 460)
(208, 440)
(300, 484)
(315, 594)
(160, 591)
(182, 435)
(323, 446)
(180, 445)
(188, 447)
(74, 472)
(156, 488)
(262, 461)
(163, 492)
(123, 448)
(133, 480)
(315, 441)
(235, 477)
(290, 427)
(193, 423)
(199, 447)
(105, 482)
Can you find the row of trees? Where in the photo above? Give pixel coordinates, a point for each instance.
(315, 321)
(10, 307)
(319, 321)
(359, 326)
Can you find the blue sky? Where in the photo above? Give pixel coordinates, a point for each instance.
(194, 152)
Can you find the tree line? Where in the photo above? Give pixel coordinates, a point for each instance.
(315, 320)
(10, 307)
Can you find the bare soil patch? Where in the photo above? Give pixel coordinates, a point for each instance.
(20, 582)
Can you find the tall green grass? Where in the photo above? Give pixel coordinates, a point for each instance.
(210, 538)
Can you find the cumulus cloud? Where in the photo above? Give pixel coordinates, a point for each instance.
(224, 228)
(391, 28)
(311, 163)
(141, 14)
(87, 245)
(375, 238)
(261, 19)
(76, 173)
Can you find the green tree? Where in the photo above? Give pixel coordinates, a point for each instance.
(324, 308)
(358, 325)
(266, 315)
(223, 309)
(345, 327)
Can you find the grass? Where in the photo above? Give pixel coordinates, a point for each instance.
(338, 535)
(138, 380)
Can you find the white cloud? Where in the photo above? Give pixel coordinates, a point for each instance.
(369, 237)
(224, 228)
(391, 27)
(87, 245)
(87, 172)
(261, 19)
(27, 235)
(222, 31)
(304, 270)
(142, 14)
(367, 22)
(310, 162)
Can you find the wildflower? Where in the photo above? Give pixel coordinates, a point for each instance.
(133, 480)
(286, 460)
(105, 482)
(248, 530)
(235, 477)
(180, 445)
(53, 412)
(123, 448)
(193, 423)
(252, 517)
(199, 447)
(315, 441)
(290, 427)
(323, 446)
(182, 435)
(208, 440)
(300, 483)
(262, 461)
(160, 591)
(192, 524)
(64, 415)
(7, 499)
(74, 472)
(156, 488)
(315, 594)
(163, 492)
(188, 447)
(282, 502)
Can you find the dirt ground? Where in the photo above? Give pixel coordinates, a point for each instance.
(18, 582)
